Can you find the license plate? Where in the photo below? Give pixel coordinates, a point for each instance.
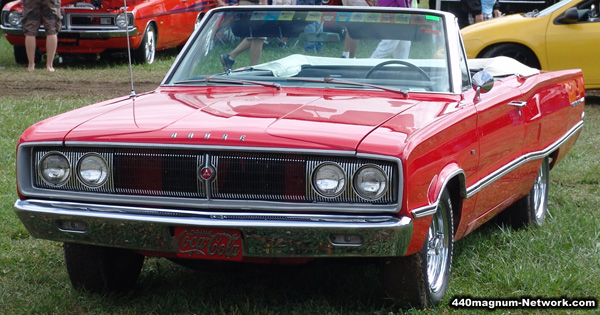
(208, 243)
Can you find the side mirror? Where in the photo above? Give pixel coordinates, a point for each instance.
(569, 17)
(482, 82)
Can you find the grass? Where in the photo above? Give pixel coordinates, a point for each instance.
(561, 259)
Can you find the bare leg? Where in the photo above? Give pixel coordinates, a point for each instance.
(30, 49)
(51, 43)
(350, 45)
(245, 44)
(256, 50)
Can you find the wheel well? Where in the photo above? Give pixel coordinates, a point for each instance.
(153, 23)
(553, 159)
(456, 189)
(484, 51)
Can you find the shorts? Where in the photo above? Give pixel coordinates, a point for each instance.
(36, 11)
(246, 2)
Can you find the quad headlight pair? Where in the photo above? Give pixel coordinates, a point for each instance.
(369, 181)
(55, 169)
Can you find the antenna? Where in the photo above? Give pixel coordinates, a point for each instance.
(132, 94)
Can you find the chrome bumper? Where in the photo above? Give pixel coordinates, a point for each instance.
(264, 234)
(79, 34)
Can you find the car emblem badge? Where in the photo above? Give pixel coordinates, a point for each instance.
(206, 173)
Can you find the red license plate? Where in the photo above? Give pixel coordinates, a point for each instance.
(208, 243)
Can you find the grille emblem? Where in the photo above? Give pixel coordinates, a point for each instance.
(206, 173)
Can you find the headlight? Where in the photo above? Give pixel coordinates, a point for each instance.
(14, 19)
(370, 182)
(55, 169)
(329, 180)
(121, 20)
(92, 170)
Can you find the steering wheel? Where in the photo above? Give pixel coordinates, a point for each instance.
(377, 67)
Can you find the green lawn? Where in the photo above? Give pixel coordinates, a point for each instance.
(561, 259)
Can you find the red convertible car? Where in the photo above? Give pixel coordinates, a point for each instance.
(303, 155)
(100, 26)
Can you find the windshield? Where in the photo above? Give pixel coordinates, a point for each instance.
(301, 46)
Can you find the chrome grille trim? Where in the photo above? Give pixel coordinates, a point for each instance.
(254, 161)
(350, 166)
(215, 197)
(73, 183)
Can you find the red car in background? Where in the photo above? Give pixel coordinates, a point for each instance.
(100, 27)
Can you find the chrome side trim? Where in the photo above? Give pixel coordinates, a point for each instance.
(264, 234)
(490, 179)
(577, 102)
(431, 209)
(425, 211)
(536, 155)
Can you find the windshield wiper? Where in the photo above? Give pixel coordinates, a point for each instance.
(220, 79)
(345, 82)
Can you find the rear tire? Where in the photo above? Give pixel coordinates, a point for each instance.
(102, 269)
(531, 210)
(147, 51)
(421, 280)
(518, 52)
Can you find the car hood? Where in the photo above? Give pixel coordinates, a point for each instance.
(226, 117)
(481, 29)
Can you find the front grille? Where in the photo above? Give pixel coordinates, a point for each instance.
(81, 20)
(239, 175)
(90, 20)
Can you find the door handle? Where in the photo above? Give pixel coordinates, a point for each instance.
(518, 104)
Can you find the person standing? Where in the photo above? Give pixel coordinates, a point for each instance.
(34, 12)
(489, 9)
(399, 49)
(474, 11)
(312, 28)
(351, 44)
(253, 44)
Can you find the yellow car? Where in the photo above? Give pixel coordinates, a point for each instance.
(565, 35)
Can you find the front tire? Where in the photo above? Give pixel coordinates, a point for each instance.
(518, 52)
(421, 280)
(102, 269)
(147, 51)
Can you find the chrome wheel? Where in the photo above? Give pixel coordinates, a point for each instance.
(438, 249)
(540, 193)
(198, 22)
(421, 280)
(150, 45)
(147, 50)
(531, 210)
